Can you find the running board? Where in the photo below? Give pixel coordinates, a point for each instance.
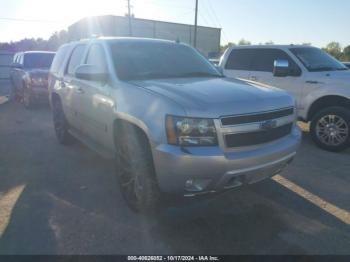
(105, 153)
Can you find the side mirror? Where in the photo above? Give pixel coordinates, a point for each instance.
(281, 68)
(16, 65)
(91, 73)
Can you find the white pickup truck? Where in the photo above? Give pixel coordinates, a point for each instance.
(320, 84)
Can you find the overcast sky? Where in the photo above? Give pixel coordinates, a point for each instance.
(281, 21)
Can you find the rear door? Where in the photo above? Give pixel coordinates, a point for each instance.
(238, 63)
(70, 87)
(261, 70)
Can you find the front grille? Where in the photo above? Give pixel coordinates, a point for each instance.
(253, 118)
(258, 137)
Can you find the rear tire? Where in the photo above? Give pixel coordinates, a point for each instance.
(135, 170)
(330, 129)
(61, 124)
(12, 92)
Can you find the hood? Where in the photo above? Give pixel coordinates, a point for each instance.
(215, 97)
(340, 77)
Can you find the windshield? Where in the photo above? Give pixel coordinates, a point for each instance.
(140, 61)
(316, 60)
(38, 60)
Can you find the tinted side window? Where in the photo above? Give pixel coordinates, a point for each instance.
(58, 60)
(240, 59)
(15, 58)
(96, 56)
(75, 59)
(264, 60)
(20, 59)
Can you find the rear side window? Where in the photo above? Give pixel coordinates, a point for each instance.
(20, 59)
(264, 61)
(240, 59)
(59, 59)
(96, 56)
(75, 59)
(15, 58)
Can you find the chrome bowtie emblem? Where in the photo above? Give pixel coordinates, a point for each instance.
(267, 125)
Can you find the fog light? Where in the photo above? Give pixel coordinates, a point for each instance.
(196, 185)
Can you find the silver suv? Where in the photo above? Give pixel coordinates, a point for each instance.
(171, 121)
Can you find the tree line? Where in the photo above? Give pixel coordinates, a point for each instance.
(61, 37)
(31, 44)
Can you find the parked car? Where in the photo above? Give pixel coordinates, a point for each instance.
(347, 64)
(320, 84)
(29, 76)
(215, 61)
(171, 121)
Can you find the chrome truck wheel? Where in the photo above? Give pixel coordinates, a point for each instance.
(330, 129)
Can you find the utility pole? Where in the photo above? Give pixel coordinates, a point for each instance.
(129, 16)
(195, 25)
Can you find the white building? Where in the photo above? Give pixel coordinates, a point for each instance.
(208, 38)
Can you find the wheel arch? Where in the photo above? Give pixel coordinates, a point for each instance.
(119, 122)
(54, 97)
(140, 127)
(327, 101)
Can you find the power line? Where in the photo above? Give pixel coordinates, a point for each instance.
(166, 4)
(28, 20)
(209, 15)
(217, 19)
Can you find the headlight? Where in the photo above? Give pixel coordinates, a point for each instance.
(186, 131)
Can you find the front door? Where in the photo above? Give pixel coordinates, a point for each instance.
(96, 105)
(262, 71)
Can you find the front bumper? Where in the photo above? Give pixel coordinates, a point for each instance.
(221, 170)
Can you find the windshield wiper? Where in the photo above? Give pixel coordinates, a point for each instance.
(325, 68)
(200, 74)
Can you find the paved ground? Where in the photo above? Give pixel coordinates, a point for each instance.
(5, 86)
(65, 200)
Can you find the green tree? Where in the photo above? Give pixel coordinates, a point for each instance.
(244, 42)
(224, 47)
(334, 49)
(29, 44)
(346, 54)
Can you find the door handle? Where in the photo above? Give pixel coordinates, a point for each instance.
(312, 82)
(79, 90)
(254, 78)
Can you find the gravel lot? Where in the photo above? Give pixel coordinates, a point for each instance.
(65, 200)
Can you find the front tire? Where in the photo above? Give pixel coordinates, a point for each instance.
(135, 170)
(330, 129)
(61, 124)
